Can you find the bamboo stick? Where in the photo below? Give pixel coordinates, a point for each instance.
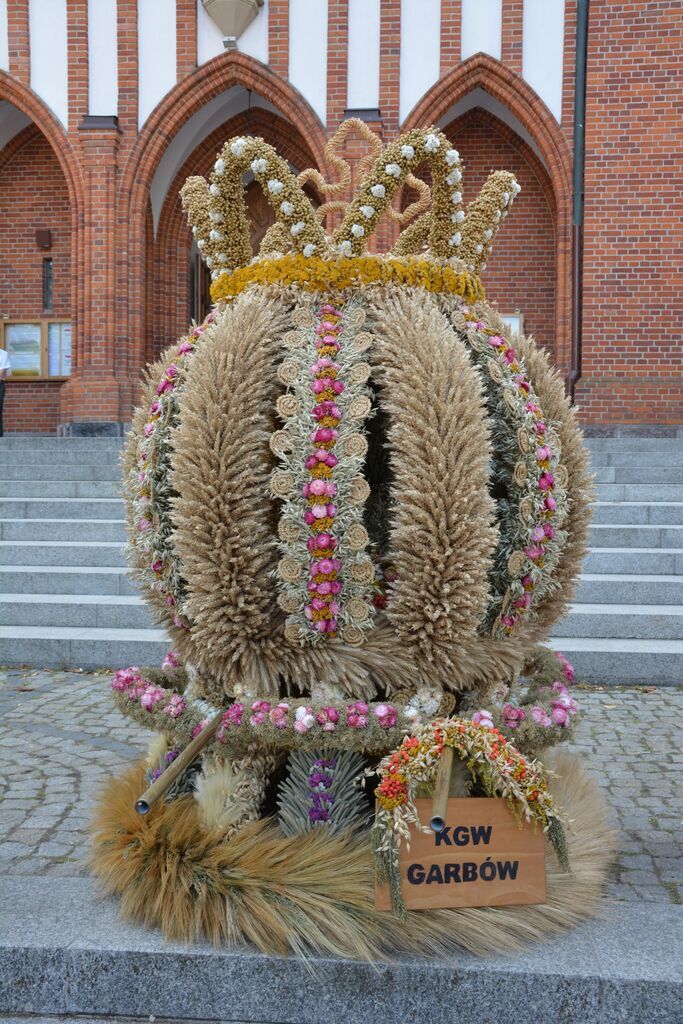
(177, 767)
(441, 790)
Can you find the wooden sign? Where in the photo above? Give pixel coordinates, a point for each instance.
(482, 858)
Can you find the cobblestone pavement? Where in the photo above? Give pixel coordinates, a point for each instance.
(60, 737)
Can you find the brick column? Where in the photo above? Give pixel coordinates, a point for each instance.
(451, 35)
(511, 43)
(18, 41)
(278, 37)
(186, 37)
(337, 61)
(90, 402)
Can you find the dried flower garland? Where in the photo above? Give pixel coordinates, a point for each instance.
(335, 275)
(148, 489)
(494, 763)
(325, 575)
(286, 724)
(544, 714)
(527, 464)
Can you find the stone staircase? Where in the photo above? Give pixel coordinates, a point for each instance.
(65, 599)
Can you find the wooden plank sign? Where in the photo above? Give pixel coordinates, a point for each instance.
(482, 858)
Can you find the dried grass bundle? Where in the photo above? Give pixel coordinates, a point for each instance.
(314, 892)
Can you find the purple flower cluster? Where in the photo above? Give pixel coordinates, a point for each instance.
(320, 780)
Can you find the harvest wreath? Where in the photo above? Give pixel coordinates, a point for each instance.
(357, 504)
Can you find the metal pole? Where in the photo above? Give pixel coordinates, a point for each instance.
(578, 193)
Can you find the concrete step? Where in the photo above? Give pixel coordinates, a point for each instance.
(64, 950)
(25, 552)
(61, 508)
(635, 445)
(51, 443)
(653, 561)
(639, 492)
(642, 536)
(60, 489)
(103, 611)
(60, 647)
(623, 621)
(610, 662)
(62, 456)
(637, 513)
(646, 474)
(625, 588)
(29, 470)
(63, 529)
(670, 457)
(64, 579)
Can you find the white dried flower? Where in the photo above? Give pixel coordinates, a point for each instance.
(209, 262)
(214, 189)
(483, 266)
(497, 215)
(488, 234)
(309, 249)
(259, 165)
(275, 186)
(358, 230)
(479, 248)
(216, 236)
(516, 187)
(345, 248)
(194, 232)
(287, 208)
(393, 170)
(408, 152)
(297, 228)
(452, 156)
(214, 274)
(219, 166)
(216, 217)
(238, 147)
(456, 197)
(201, 242)
(221, 257)
(368, 211)
(506, 198)
(455, 239)
(458, 217)
(378, 191)
(455, 177)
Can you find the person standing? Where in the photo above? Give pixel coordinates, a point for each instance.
(5, 371)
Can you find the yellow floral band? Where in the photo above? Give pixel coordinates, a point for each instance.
(335, 275)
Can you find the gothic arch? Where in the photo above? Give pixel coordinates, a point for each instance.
(173, 234)
(177, 107)
(528, 108)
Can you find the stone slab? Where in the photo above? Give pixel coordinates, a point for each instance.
(64, 951)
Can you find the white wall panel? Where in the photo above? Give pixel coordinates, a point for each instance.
(156, 53)
(4, 43)
(48, 42)
(481, 29)
(543, 50)
(253, 41)
(362, 89)
(103, 66)
(308, 52)
(420, 50)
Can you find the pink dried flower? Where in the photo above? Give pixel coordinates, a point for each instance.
(278, 715)
(357, 715)
(199, 727)
(540, 716)
(546, 481)
(386, 715)
(512, 716)
(260, 710)
(483, 717)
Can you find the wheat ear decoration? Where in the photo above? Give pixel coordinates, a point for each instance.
(484, 216)
(228, 212)
(391, 171)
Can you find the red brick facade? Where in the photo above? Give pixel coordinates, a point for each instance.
(125, 282)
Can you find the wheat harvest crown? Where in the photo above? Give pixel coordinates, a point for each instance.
(436, 227)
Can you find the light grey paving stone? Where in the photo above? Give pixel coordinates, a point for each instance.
(640, 492)
(76, 470)
(74, 553)
(653, 622)
(652, 561)
(66, 647)
(94, 610)
(59, 489)
(629, 588)
(596, 973)
(639, 662)
(66, 580)
(642, 536)
(48, 530)
(651, 458)
(61, 508)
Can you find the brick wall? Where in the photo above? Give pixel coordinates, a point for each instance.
(33, 194)
(632, 333)
(521, 271)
